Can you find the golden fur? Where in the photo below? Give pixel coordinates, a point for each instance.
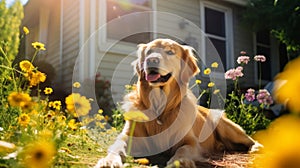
(164, 68)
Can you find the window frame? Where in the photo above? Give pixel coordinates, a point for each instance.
(229, 43)
(122, 47)
(272, 58)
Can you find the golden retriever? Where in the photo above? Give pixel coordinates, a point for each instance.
(178, 128)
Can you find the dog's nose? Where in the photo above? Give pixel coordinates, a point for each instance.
(152, 61)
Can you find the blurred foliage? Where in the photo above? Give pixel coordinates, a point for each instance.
(281, 17)
(10, 21)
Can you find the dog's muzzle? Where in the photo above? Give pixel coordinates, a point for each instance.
(153, 73)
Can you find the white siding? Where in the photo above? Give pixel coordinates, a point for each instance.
(70, 42)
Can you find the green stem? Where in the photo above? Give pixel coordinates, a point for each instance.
(12, 69)
(201, 94)
(259, 82)
(209, 98)
(193, 85)
(34, 55)
(131, 137)
(4, 54)
(13, 75)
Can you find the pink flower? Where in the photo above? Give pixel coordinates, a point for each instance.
(238, 71)
(230, 74)
(234, 73)
(243, 60)
(239, 68)
(250, 95)
(260, 58)
(243, 53)
(264, 97)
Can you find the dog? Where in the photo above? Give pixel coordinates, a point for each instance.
(178, 129)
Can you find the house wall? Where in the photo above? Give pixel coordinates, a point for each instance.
(115, 66)
(70, 42)
(119, 73)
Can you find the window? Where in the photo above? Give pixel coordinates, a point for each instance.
(216, 22)
(127, 30)
(118, 8)
(263, 47)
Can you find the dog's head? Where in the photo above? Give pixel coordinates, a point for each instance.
(163, 60)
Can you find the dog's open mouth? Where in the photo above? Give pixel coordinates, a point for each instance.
(154, 76)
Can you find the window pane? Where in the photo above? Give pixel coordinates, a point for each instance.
(265, 66)
(263, 37)
(121, 29)
(220, 45)
(214, 22)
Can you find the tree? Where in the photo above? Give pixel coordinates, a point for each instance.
(282, 17)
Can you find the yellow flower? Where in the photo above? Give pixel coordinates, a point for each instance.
(56, 104)
(41, 76)
(50, 104)
(286, 90)
(214, 65)
(176, 163)
(99, 117)
(33, 112)
(76, 85)
(26, 66)
(27, 106)
(50, 114)
(67, 150)
(25, 30)
(78, 104)
(72, 124)
(48, 90)
(281, 144)
(35, 77)
(216, 91)
(62, 120)
(211, 84)
(101, 125)
(198, 81)
(46, 134)
(130, 87)
(100, 111)
(142, 161)
(207, 71)
(135, 116)
(24, 120)
(18, 99)
(39, 154)
(38, 46)
(113, 129)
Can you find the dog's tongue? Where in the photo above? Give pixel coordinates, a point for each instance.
(152, 77)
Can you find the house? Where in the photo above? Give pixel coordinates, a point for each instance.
(88, 37)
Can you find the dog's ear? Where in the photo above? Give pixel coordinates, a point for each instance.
(138, 63)
(189, 67)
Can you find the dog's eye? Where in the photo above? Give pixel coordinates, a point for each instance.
(149, 51)
(170, 52)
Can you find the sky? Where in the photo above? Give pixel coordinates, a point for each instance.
(10, 2)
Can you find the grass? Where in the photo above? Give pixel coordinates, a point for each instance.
(85, 151)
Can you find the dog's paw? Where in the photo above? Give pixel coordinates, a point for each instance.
(110, 161)
(256, 147)
(182, 163)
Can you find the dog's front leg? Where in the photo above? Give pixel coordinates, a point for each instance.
(115, 151)
(186, 155)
